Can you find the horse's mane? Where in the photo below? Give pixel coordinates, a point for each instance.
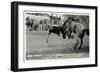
(67, 21)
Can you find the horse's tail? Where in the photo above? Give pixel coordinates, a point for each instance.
(86, 31)
(83, 33)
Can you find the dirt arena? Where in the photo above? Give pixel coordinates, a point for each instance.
(57, 48)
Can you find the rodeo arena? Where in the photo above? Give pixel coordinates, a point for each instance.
(45, 37)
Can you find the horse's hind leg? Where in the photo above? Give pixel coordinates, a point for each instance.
(81, 40)
(48, 37)
(77, 42)
(81, 36)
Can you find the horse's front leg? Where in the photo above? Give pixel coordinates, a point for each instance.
(81, 42)
(77, 42)
(58, 33)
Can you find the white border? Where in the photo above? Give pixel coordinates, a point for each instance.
(56, 62)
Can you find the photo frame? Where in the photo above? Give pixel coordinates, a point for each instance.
(52, 36)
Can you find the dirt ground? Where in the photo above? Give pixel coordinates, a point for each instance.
(57, 48)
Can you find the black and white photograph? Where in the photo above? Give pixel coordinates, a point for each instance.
(54, 35)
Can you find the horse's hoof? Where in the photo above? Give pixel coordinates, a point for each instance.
(46, 41)
(79, 48)
(74, 48)
(72, 36)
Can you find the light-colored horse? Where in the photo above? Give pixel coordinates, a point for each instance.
(77, 30)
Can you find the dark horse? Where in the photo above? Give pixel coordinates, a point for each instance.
(57, 30)
(75, 29)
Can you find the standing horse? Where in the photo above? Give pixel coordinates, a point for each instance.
(78, 30)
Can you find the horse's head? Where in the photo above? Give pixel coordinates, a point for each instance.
(67, 28)
(65, 31)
